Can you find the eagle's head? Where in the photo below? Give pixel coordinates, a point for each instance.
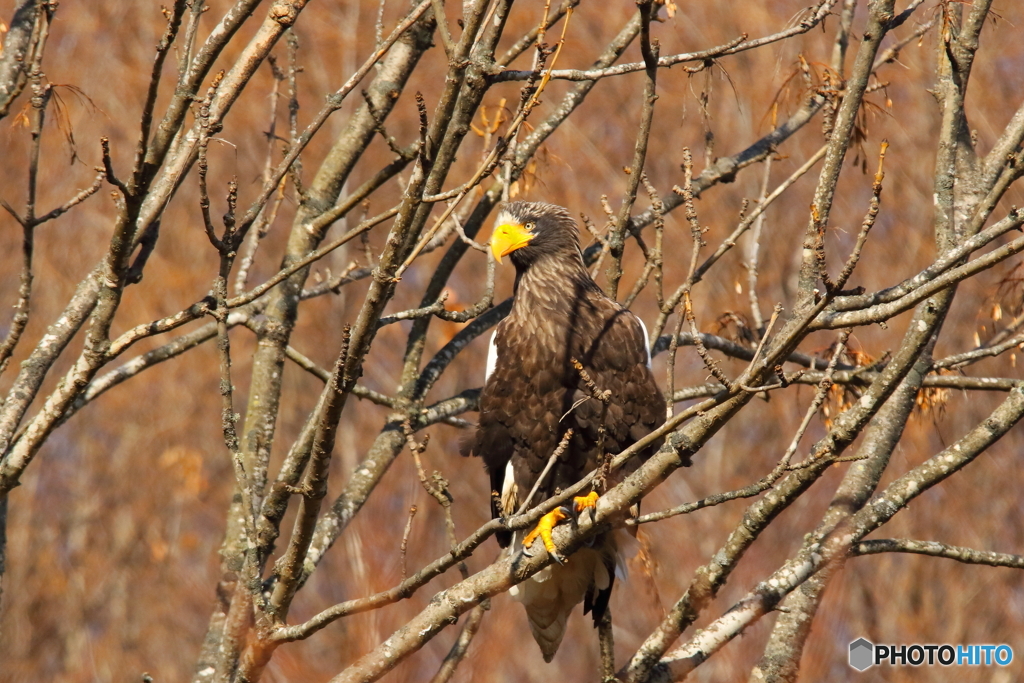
(528, 231)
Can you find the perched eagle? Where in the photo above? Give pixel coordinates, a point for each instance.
(534, 393)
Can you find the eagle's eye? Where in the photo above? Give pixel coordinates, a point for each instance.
(530, 226)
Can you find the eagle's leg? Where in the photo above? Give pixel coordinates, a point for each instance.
(549, 521)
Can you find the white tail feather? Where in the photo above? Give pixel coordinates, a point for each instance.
(551, 594)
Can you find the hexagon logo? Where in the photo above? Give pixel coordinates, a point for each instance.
(861, 654)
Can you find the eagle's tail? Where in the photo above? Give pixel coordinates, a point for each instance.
(550, 595)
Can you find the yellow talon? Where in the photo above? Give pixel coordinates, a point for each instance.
(549, 521)
(581, 503)
(543, 529)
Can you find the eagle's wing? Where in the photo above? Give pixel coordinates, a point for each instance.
(493, 439)
(619, 361)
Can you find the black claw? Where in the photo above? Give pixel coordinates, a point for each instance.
(576, 514)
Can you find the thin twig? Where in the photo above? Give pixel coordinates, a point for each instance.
(405, 540)
(738, 44)
(653, 258)
(616, 236)
(753, 247)
(710, 363)
(555, 455)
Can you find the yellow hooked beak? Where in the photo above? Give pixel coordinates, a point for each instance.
(507, 238)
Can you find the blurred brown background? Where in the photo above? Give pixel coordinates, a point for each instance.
(113, 535)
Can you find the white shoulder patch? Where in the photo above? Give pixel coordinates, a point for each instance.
(492, 356)
(647, 342)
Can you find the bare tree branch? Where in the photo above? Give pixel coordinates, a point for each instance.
(935, 549)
